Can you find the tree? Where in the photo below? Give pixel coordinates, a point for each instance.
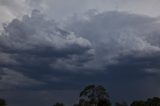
(58, 104)
(95, 95)
(121, 104)
(104, 102)
(2, 102)
(155, 101)
(149, 102)
(76, 105)
(138, 103)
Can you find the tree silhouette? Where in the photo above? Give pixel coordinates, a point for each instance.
(2, 102)
(153, 101)
(94, 95)
(58, 104)
(104, 102)
(150, 102)
(138, 103)
(76, 105)
(121, 104)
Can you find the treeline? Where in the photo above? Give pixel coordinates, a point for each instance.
(93, 95)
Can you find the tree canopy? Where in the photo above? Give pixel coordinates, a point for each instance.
(2, 102)
(155, 101)
(58, 104)
(94, 95)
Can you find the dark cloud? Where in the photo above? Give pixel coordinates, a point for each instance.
(134, 77)
(11, 79)
(96, 41)
(116, 49)
(115, 34)
(126, 49)
(44, 98)
(34, 46)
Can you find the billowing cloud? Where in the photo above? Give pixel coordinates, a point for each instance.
(37, 45)
(61, 9)
(116, 34)
(10, 9)
(117, 49)
(93, 43)
(126, 48)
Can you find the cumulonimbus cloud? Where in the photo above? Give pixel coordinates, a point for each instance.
(93, 43)
(126, 48)
(34, 42)
(116, 34)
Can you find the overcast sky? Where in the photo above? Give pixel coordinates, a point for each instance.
(51, 49)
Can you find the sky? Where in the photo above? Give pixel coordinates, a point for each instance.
(51, 49)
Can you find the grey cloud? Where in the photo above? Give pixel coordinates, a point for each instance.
(126, 51)
(11, 4)
(6, 59)
(61, 9)
(117, 49)
(33, 32)
(115, 34)
(36, 45)
(135, 77)
(95, 42)
(41, 98)
(11, 79)
(52, 9)
(10, 9)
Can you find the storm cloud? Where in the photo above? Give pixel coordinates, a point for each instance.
(119, 50)
(126, 49)
(117, 34)
(37, 45)
(97, 42)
